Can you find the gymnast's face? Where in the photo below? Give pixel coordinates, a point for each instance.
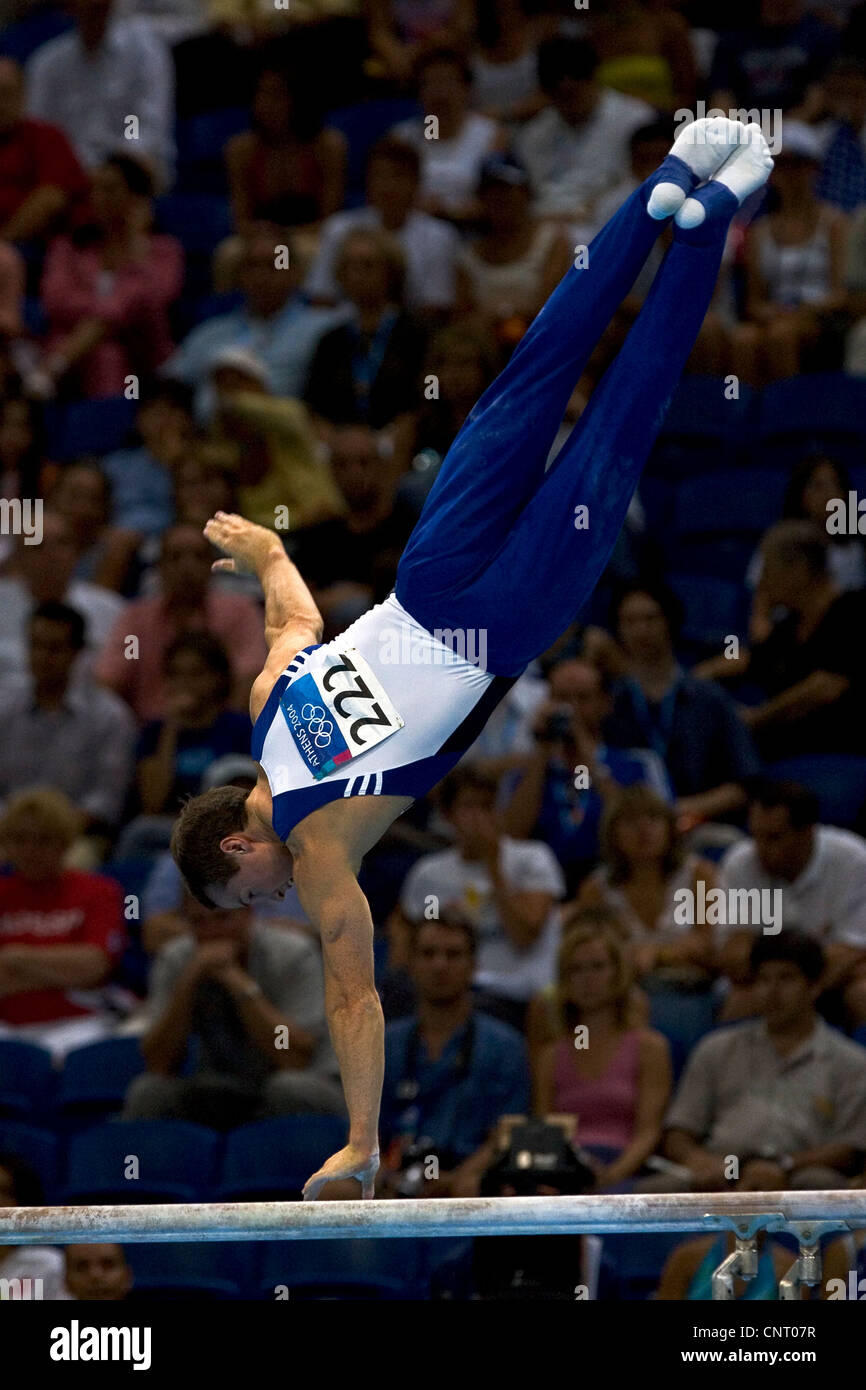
(264, 874)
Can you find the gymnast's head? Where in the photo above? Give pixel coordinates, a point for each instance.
(228, 856)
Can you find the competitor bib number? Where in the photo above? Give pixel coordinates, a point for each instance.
(338, 713)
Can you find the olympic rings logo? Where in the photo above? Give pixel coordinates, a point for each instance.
(320, 727)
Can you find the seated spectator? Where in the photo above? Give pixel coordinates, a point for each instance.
(270, 445)
(351, 561)
(820, 872)
(618, 1084)
(174, 753)
(689, 1268)
(691, 724)
(399, 34)
(289, 169)
(428, 244)
(41, 180)
(82, 496)
(132, 659)
(237, 986)
(368, 371)
(514, 262)
(39, 1268)
(774, 62)
(507, 888)
(450, 163)
(578, 147)
(571, 774)
(141, 477)
(12, 276)
(783, 1095)
(643, 873)
(645, 53)
(23, 472)
(274, 321)
(97, 1273)
(795, 267)
(74, 736)
(91, 80)
(107, 289)
(43, 573)
(505, 61)
(61, 930)
(842, 179)
(808, 668)
(451, 1072)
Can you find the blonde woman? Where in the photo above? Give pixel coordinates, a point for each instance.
(610, 1071)
(649, 881)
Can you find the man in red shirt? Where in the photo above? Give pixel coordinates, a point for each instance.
(40, 176)
(61, 931)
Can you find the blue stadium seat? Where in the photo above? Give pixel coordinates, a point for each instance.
(729, 503)
(213, 305)
(713, 609)
(684, 1018)
(702, 428)
(20, 40)
(200, 221)
(837, 779)
(201, 142)
(363, 124)
(636, 1261)
(355, 1268)
(820, 410)
(35, 1146)
(176, 1162)
(95, 1078)
(168, 1271)
(88, 427)
(276, 1156)
(27, 1078)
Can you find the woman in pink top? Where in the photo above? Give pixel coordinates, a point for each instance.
(612, 1074)
(106, 290)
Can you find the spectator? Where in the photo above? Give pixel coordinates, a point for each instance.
(107, 289)
(451, 162)
(795, 266)
(618, 1083)
(505, 62)
(238, 986)
(351, 561)
(141, 477)
(38, 1267)
(842, 180)
(274, 321)
(578, 147)
(43, 573)
(82, 496)
(784, 1095)
(74, 736)
(368, 370)
(174, 753)
(97, 1273)
(571, 774)
(820, 872)
(643, 873)
(22, 469)
(514, 262)
(428, 244)
(288, 170)
(808, 668)
(271, 447)
(61, 930)
(775, 62)
(645, 53)
(691, 724)
(451, 1072)
(400, 34)
(12, 277)
(508, 888)
(41, 179)
(92, 80)
(132, 660)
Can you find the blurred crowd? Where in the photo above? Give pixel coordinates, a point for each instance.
(265, 260)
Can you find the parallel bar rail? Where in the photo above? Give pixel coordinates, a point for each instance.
(436, 1216)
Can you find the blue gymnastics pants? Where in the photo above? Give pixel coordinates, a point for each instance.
(496, 547)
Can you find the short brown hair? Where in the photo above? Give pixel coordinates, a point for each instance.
(637, 800)
(195, 840)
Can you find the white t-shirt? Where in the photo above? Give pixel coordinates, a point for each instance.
(827, 901)
(450, 169)
(429, 245)
(527, 866)
(35, 1262)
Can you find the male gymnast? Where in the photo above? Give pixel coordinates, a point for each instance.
(348, 733)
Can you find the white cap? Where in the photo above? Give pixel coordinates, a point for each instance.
(800, 139)
(241, 359)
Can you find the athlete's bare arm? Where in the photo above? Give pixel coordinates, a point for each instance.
(292, 620)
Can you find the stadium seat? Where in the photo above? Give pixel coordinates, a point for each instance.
(351, 1269)
(168, 1272)
(820, 410)
(729, 503)
(200, 221)
(88, 427)
(636, 1261)
(275, 1157)
(20, 40)
(176, 1162)
(95, 1078)
(35, 1146)
(837, 779)
(702, 427)
(713, 609)
(684, 1018)
(27, 1078)
(201, 140)
(363, 124)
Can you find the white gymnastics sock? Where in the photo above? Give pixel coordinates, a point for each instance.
(746, 170)
(703, 148)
